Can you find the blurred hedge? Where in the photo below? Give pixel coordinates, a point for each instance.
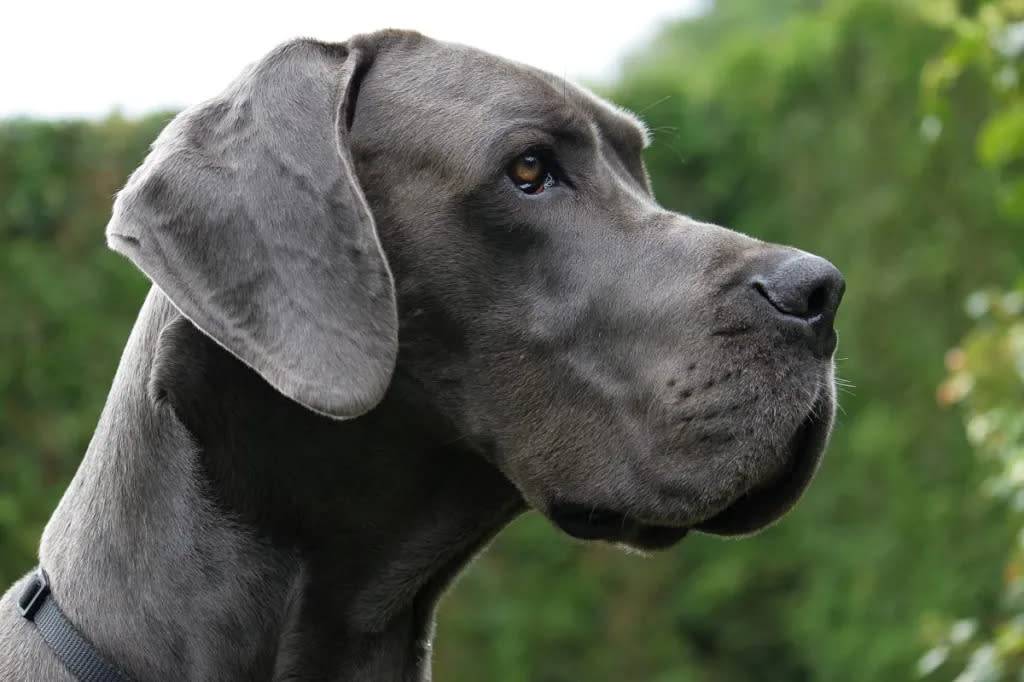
(986, 372)
(67, 302)
(793, 121)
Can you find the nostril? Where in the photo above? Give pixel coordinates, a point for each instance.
(802, 286)
(816, 302)
(794, 306)
(760, 288)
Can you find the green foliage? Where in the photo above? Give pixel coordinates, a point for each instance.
(796, 121)
(68, 304)
(986, 375)
(987, 370)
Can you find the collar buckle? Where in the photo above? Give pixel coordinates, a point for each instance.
(34, 595)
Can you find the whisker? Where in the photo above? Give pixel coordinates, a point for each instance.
(655, 103)
(674, 150)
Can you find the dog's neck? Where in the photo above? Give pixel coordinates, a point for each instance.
(215, 530)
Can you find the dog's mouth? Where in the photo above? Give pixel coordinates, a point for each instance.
(751, 511)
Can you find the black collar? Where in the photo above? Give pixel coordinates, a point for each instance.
(78, 655)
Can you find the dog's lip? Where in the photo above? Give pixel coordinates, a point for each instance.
(769, 501)
(587, 523)
(597, 523)
(752, 511)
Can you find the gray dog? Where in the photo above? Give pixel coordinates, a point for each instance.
(404, 291)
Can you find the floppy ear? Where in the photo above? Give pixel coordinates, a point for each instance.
(248, 216)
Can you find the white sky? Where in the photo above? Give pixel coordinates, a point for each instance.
(89, 57)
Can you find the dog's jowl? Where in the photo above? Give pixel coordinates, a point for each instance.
(404, 291)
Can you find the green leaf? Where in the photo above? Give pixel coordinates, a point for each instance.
(1001, 139)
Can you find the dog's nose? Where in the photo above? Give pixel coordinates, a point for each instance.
(806, 290)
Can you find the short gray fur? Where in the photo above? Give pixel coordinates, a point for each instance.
(365, 351)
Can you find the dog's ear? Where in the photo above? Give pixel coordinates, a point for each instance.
(248, 215)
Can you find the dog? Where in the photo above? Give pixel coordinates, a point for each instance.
(403, 292)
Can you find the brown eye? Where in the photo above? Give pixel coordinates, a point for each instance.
(531, 173)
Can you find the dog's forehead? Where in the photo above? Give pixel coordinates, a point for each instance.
(464, 96)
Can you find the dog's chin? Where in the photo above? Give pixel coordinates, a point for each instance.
(750, 512)
(768, 501)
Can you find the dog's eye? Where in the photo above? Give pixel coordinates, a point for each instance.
(532, 173)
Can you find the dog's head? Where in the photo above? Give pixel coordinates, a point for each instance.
(393, 205)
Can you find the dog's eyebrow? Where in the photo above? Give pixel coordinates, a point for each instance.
(623, 129)
(563, 127)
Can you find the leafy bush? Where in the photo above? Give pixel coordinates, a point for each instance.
(986, 373)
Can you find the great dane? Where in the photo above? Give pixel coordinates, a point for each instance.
(404, 291)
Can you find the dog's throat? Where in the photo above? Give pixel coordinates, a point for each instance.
(306, 541)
